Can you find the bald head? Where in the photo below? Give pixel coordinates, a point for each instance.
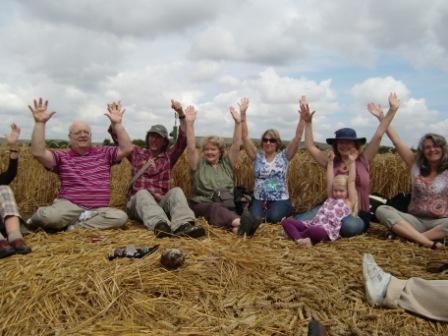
(77, 126)
(80, 137)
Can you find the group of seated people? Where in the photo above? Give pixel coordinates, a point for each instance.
(84, 172)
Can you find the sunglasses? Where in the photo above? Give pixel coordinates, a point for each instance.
(269, 140)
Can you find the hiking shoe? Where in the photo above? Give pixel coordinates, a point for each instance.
(162, 229)
(189, 230)
(375, 280)
(20, 246)
(5, 249)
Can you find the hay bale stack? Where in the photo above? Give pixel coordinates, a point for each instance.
(35, 186)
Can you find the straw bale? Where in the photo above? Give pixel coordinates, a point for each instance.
(228, 286)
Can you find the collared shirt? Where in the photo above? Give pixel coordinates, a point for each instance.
(156, 178)
(85, 178)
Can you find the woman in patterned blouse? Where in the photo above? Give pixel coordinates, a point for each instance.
(271, 197)
(426, 221)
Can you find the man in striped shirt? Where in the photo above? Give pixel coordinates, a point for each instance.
(84, 172)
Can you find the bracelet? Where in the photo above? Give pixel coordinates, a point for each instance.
(182, 117)
(13, 150)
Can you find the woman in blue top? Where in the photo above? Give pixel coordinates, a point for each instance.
(271, 197)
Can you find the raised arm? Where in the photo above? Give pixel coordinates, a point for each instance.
(405, 152)
(38, 146)
(294, 144)
(177, 107)
(249, 146)
(330, 174)
(372, 147)
(307, 116)
(234, 150)
(351, 182)
(115, 114)
(192, 152)
(8, 176)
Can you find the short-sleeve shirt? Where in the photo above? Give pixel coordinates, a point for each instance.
(270, 177)
(85, 178)
(429, 197)
(329, 216)
(207, 179)
(362, 180)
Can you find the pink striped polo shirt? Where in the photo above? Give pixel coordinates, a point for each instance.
(85, 179)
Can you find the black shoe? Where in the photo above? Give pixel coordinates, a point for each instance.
(315, 328)
(190, 230)
(162, 229)
(248, 224)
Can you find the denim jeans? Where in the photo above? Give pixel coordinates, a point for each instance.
(271, 211)
(351, 225)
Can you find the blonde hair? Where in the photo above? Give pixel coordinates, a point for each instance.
(275, 135)
(342, 181)
(214, 141)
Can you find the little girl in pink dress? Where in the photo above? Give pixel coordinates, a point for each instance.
(341, 201)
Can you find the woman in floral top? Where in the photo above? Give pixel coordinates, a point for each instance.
(426, 221)
(271, 197)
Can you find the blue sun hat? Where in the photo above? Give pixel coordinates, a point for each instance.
(346, 134)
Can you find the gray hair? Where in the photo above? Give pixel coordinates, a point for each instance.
(421, 160)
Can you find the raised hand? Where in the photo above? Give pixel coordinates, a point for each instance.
(353, 154)
(331, 157)
(394, 102)
(40, 113)
(243, 105)
(115, 112)
(190, 114)
(177, 106)
(376, 110)
(235, 114)
(304, 110)
(12, 137)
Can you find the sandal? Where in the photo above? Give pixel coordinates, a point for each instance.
(436, 266)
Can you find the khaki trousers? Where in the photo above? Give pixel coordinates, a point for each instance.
(428, 298)
(173, 209)
(63, 213)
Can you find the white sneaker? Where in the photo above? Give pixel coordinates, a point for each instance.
(375, 280)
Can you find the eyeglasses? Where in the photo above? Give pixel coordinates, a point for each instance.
(269, 140)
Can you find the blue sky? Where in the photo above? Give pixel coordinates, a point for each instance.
(82, 54)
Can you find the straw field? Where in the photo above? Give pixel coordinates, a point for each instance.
(227, 286)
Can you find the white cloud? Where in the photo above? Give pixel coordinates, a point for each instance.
(82, 54)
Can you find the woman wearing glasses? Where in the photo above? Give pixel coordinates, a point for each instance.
(271, 197)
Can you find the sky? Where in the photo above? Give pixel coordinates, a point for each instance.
(83, 54)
